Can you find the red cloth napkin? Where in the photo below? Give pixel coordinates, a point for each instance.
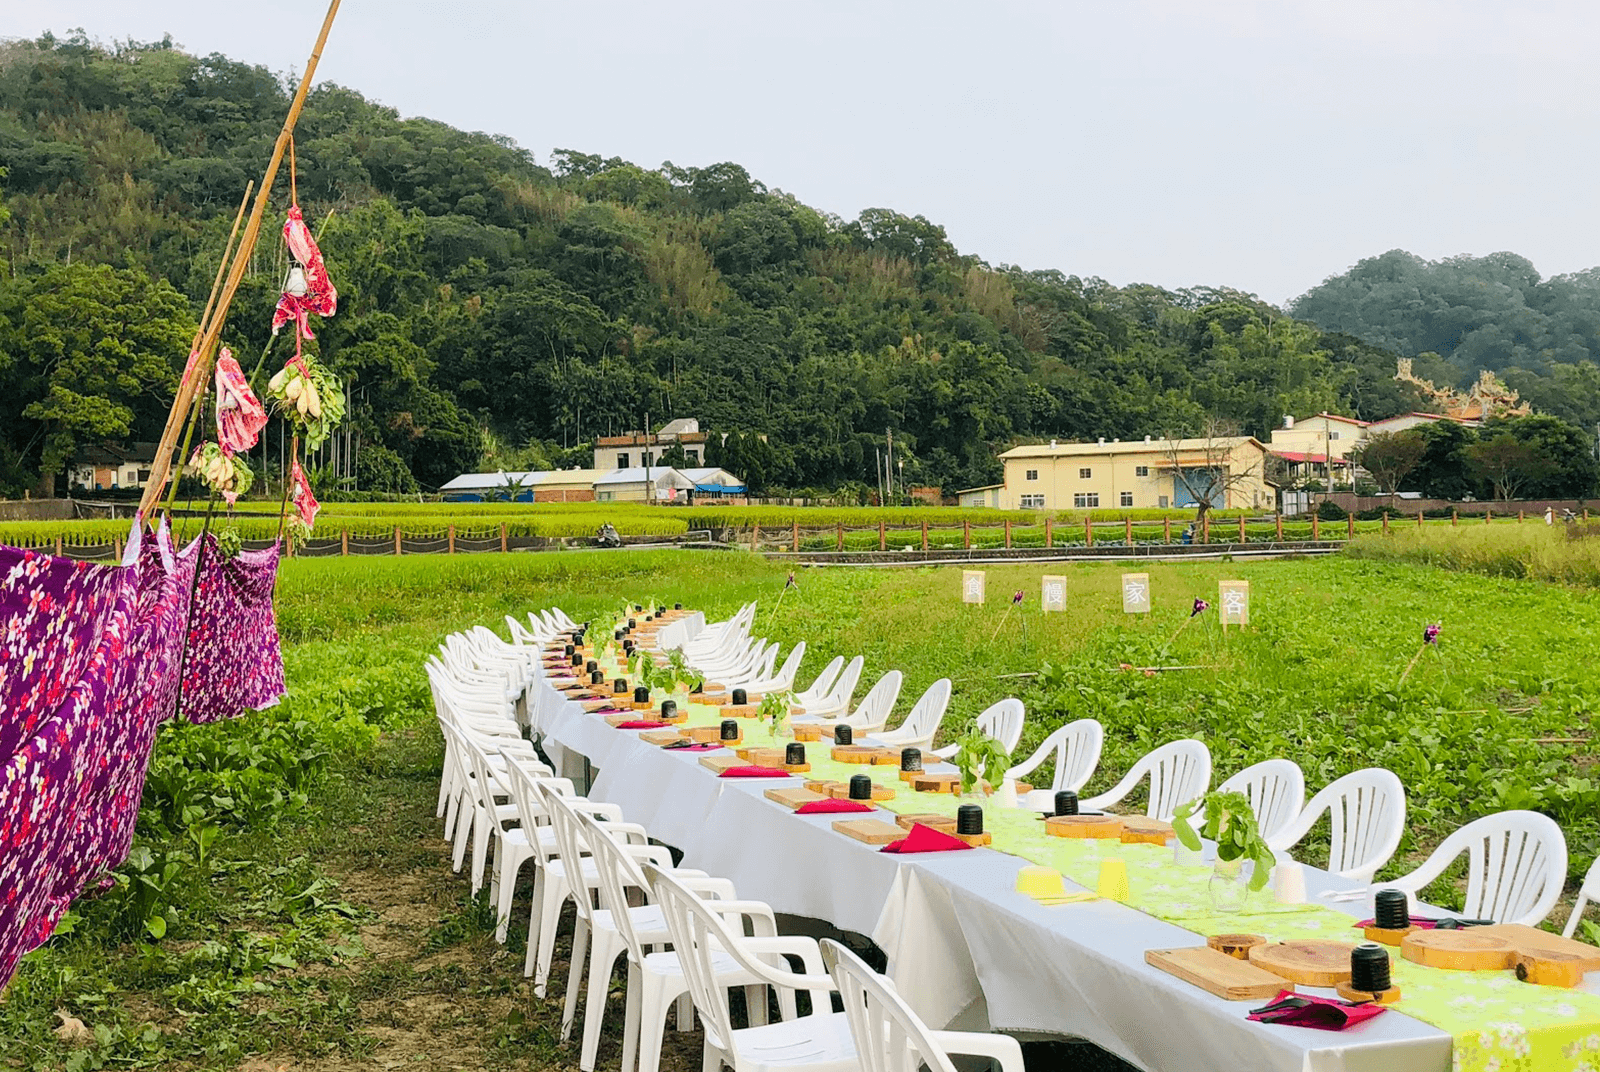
(642, 724)
(925, 839)
(754, 772)
(825, 807)
(687, 747)
(1325, 1014)
(610, 711)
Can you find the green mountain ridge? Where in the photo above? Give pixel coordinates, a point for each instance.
(496, 312)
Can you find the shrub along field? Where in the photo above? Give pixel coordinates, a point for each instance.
(289, 901)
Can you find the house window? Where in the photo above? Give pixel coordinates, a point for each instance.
(1084, 474)
(1333, 435)
(647, 459)
(1163, 502)
(622, 460)
(1033, 474)
(693, 456)
(144, 475)
(1086, 500)
(1033, 502)
(1141, 470)
(604, 496)
(1127, 498)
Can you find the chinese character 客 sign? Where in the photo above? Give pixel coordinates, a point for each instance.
(1234, 603)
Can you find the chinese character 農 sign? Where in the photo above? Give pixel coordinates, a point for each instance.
(1136, 593)
(972, 586)
(1053, 593)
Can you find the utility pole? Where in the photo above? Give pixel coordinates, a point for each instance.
(888, 473)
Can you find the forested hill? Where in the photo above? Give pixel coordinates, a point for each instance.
(1494, 312)
(500, 310)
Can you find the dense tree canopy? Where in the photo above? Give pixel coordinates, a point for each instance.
(495, 309)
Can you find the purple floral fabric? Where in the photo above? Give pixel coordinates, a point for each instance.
(107, 641)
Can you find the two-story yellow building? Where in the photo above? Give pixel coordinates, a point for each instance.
(1229, 472)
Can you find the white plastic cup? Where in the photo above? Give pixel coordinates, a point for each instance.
(1186, 857)
(1289, 883)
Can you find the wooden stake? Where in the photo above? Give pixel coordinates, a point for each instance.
(162, 466)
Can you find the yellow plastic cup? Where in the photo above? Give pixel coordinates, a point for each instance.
(1040, 882)
(1113, 879)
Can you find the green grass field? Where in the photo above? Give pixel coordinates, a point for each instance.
(309, 918)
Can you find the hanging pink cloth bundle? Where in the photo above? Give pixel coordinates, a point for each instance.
(304, 501)
(240, 416)
(312, 291)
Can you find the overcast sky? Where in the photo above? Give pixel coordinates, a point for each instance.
(1261, 145)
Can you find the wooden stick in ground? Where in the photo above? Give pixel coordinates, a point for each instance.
(162, 466)
(1411, 665)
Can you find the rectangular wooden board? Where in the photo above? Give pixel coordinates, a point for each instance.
(1531, 940)
(721, 761)
(1217, 973)
(761, 757)
(793, 798)
(706, 735)
(808, 733)
(746, 710)
(661, 737)
(871, 831)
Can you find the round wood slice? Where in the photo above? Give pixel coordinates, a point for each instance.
(1550, 968)
(1382, 997)
(1237, 946)
(1458, 950)
(1084, 826)
(1139, 829)
(1386, 935)
(1309, 963)
(852, 753)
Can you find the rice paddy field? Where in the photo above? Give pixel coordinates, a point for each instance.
(308, 918)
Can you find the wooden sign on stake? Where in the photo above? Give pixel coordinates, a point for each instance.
(972, 582)
(1053, 593)
(1136, 593)
(1233, 604)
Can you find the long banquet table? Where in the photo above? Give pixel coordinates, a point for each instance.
(963, 946)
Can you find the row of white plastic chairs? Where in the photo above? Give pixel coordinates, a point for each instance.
(499, 798)
(1517, 860)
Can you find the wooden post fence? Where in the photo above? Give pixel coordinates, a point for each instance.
(966, 534)
(1486, 515)
(1278, 518)
(344, 541)
(1008, 532)
(1205, 528)
(1127, 531)
(882, 535)
(397, 539)
(1241, 528)
(1049, 534)
(755, 535)
(58, 546)
(841, 538)
(924, 535)
(1521, 517)
(1455, 518)
(1166, 530)
(504, 543)
(1350, 526)
(1088, 532)
(794, 540)
(1386, 522)
(1316, 527)
(450, 539)
(1419, 519)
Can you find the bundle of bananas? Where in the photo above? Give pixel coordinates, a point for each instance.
(309, 395)
(230, 476)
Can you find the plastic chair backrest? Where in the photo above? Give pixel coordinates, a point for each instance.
(844, 686)
(1589, 891)
(1277, 792)
(879, 701)
(528, 793)
(889, 1037)
(823, 682)
(618, 874)
(784, 679)
(1367, 813)
(927, 713)
(1003, 722)
(1516, 866)
(696, 935)
(573, 842)
(1077, 747)
(1179, 771)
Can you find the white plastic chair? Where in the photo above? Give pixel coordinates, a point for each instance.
(1589, 891)
(1367, 809)
(837, 702)
(890, 1037)
(1277, 792)
(1516, 867)
(920, 726)
(1077, 748)
(821, 684)
(820, 1042)
(1179, 771)
(873, 712)
(1002, 721)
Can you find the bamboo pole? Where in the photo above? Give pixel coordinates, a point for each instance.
(162, 466)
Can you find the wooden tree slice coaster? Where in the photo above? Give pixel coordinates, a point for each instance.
(744, 710)
(885, 757)
(1307, 963)
(797, 768)
(1530, 941)
(1550, 969)
(1237, 946)
(1382, 997)
(1084, 826)
(942, 823)
(807, 733)
(1458, 950)
(911, 775)
(1386, 935)
(936, 783)
(762, 757)
(852, 753)
(703, 734)
(1140, 830)
(975, 840)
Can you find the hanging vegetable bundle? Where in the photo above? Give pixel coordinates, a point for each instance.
(309, 396)
(229, 476)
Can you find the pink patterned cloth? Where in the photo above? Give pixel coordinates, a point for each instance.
(304, 501)
(240, 416)
(320, 296)
(88, 671)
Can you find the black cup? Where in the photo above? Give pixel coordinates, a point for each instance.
(698, 688)
(1369, 968)
(591, 666)
(597, 677)
(633, 623)
(660, 610)
(911, 759)
(860, 787)
(570, 648)
(641, 695)
(1390, 910)
(843, 735)
(649, 617)
(740, 697)
(617, 635)
(969, 819)
(730, 729)
(794, 754)
(627, 646)
(619, 686)
(577, 659)
(1066, 802)
(637, 607)
(669, 709)
(677, 606)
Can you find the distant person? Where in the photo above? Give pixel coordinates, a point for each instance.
(1188, 533)
(1549, 515)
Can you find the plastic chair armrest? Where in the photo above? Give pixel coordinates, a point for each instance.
(999, 1048)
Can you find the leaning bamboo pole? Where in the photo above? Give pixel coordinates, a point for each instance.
(201, 371)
